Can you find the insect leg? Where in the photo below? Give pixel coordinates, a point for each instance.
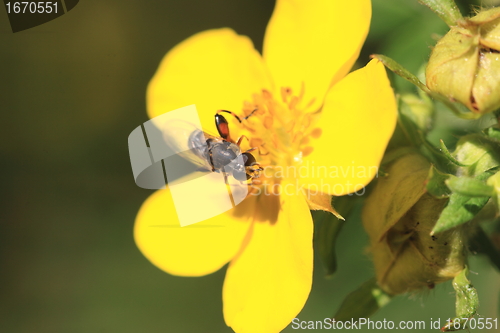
(249, 150)
(240, 139)
(238, 142)
(229, 190)
(209, 153)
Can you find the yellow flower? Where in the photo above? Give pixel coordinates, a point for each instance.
(309, 48)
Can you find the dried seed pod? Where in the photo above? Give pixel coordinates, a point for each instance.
(399, 216)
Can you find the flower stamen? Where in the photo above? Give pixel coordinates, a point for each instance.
(283, 126)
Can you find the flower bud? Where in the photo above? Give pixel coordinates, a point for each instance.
(399, 216)
(477, 154)
(465, 64)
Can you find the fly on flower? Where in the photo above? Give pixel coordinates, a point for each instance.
(213, 153)
(217, 177)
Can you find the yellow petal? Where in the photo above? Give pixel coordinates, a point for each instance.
(313, 42)
(194, 250)
(214, 69)
(268, 283)
(357, 121)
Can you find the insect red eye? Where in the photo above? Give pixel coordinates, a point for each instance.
(249, 159)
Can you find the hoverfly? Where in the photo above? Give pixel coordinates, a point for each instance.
(214, 153)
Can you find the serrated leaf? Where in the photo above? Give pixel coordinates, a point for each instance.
(363, 302)
(447, 10)
(469, 187)
(466, 303)
(329, 231)
(461, 209)
(436, 185)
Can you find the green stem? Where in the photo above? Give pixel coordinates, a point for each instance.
(447, 10)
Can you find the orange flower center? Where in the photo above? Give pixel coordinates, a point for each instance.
(280, 130)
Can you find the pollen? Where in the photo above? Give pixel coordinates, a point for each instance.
(280, 130)
(268, 122)
(316, 133)
(307, 151)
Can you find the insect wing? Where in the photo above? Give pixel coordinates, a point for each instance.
(188, 141)
(177, 135)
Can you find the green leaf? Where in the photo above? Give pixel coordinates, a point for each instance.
(469, 187)
(493, 133)
(327, 239)
(467, 300)
(461, 208)
(436, 183)
(447, 10)
(478, 152)
(329, 231)
(363, 302)
(466, 303)
(448, 155)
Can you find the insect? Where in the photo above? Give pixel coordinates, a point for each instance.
(214, 153)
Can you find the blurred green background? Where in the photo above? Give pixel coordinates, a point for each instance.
(71, 92)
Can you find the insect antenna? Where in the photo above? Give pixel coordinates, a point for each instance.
(236, 116)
